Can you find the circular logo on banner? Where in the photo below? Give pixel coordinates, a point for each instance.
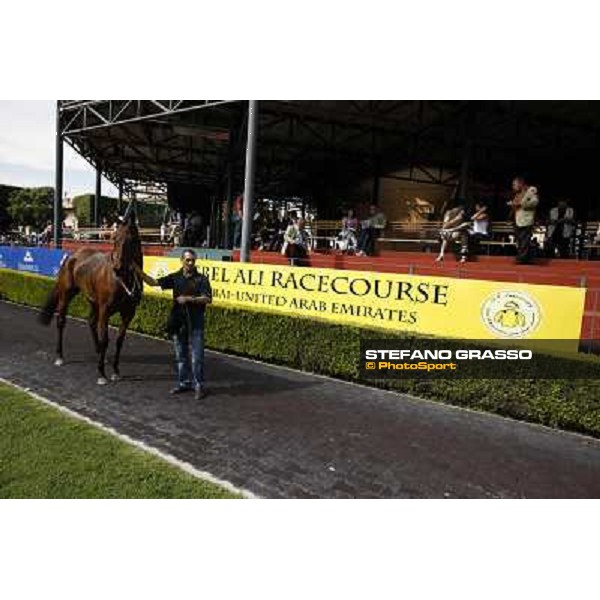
(510, 314)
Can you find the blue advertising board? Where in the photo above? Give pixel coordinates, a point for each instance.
(42, 261)
(6, 258)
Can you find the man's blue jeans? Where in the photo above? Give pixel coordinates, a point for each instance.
(190, 370)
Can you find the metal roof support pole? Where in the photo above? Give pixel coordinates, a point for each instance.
(375, 188)
(120, 200)
(58, 186)
(465, 165)
(463, 185)
(215, 220)
(218, 217)
(228, 206)
(97, 197)
(249, 182)
(210, 228)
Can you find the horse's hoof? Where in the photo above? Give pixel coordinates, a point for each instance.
(102, 381)
(115, 377)
(59, 362)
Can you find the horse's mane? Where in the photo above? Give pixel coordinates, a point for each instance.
(127, 248)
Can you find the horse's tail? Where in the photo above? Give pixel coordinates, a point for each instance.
(64, 276)
(48, 310)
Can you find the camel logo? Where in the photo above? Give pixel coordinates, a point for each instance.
(28, 258)
(161, 270)
(511, 314)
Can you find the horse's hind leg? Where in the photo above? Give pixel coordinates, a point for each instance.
(126, 316)
(64, 299)
(102, 329)
(93, 323)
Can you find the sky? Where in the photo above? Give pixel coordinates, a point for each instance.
(27, 149)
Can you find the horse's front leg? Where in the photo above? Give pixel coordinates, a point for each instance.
(126, 316)
(102, 344)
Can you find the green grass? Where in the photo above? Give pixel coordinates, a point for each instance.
(47, 454)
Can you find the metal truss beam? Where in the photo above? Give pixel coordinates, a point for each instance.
(80, 116)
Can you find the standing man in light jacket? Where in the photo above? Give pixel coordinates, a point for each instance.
(523, 206)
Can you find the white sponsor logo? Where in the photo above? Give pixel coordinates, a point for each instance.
(511, 314)
(28, 258)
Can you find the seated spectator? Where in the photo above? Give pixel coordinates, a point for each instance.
(455, 228)
(46, 235)
(296, 244)
(175, 233)
(561, 228)
(194, 231)
(371, 228)
(346, 240)
(280, 226)
(236, 222)
(105, 233)
(536, 248)
(267, 230)
(480, 224)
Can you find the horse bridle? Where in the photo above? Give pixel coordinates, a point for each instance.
(134, 287)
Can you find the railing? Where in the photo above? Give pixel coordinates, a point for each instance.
(426, 234)
(93, 235)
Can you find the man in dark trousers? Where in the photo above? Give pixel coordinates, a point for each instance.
(523, 207)
(191, 294)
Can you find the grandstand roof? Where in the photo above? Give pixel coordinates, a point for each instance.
(312, 148)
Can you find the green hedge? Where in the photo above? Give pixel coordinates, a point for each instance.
(331, 349)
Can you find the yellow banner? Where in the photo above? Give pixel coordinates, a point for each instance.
(440, 306)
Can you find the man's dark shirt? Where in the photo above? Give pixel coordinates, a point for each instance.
(188, 314)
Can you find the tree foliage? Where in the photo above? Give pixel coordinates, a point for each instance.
(150, 215)
(5, 192)
(31, 206)
(84, 209)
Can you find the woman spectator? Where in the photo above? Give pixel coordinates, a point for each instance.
(347, 237)
(480, 224)
(454, 227)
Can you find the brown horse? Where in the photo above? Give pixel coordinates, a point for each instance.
(110, 284)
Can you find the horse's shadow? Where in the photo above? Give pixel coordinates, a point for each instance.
(155, 377)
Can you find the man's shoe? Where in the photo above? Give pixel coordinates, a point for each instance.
(200, 393)
(180, 390)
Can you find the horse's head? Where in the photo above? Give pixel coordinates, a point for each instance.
(127, 247)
